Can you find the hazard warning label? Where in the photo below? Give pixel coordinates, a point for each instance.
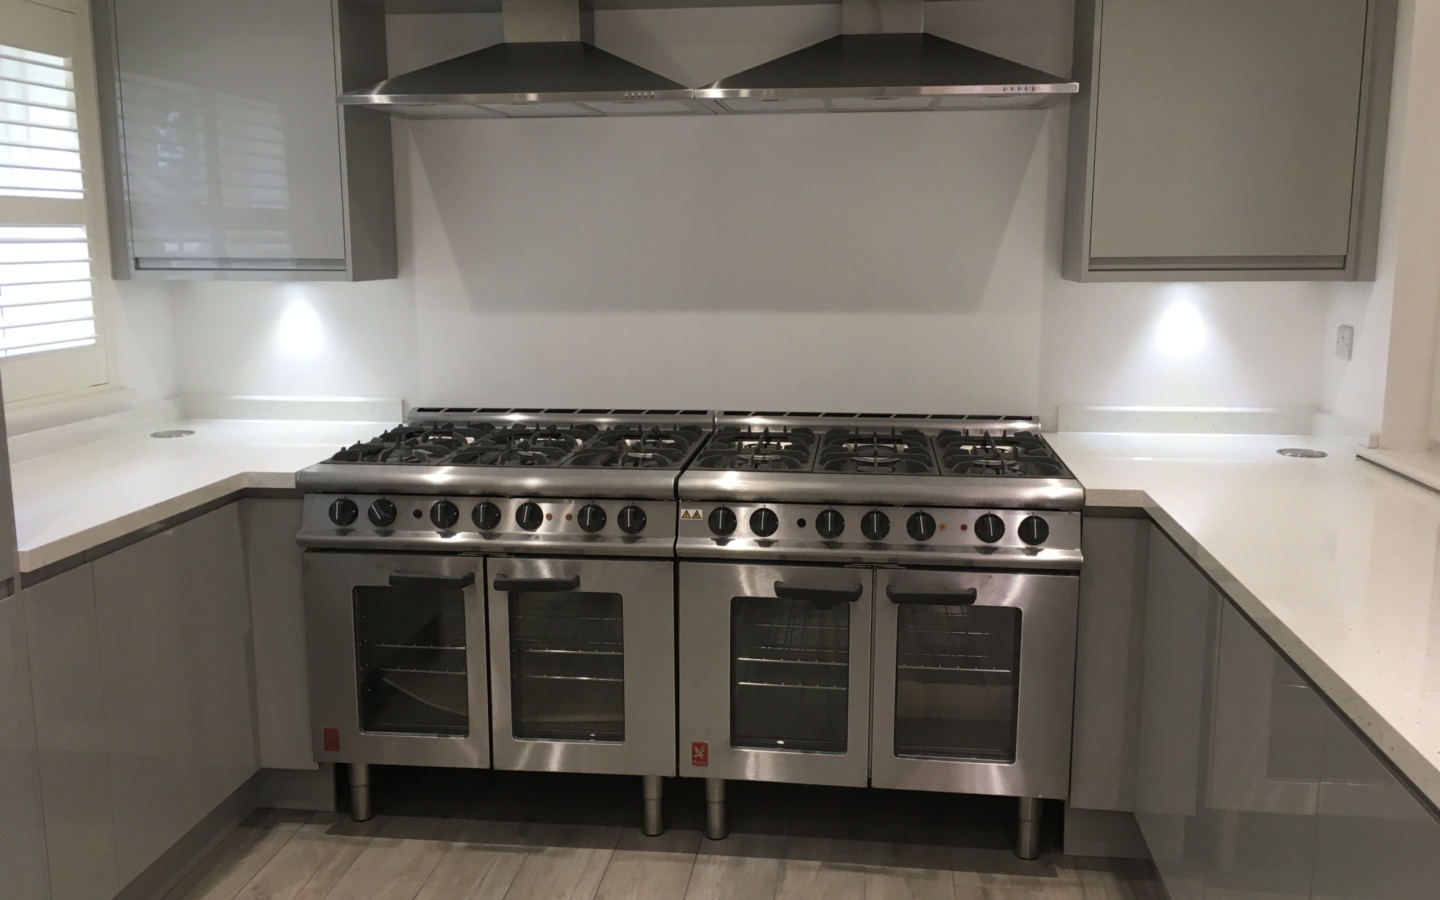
(690, 514)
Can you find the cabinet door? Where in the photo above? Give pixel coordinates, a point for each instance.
(1227, 134)
(22, 837)
(174, 621)
(277, 607)
(70, 725)
(231, 133)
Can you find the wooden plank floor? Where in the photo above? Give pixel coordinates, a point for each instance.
(519, 837)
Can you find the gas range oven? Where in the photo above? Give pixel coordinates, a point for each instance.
(545, 537)
(882, 600)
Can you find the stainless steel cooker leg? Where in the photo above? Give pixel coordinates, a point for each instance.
(1028, 844)
(715, 827)
(653, 786)
(360, 809)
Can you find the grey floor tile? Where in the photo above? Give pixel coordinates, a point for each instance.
(398, 859)
(1103, 879)
(565, 862)
(476, 867)
(312, 862)
(1000, 875)
(741, 866)
(236, 859)
(650, 868)
(822, 869)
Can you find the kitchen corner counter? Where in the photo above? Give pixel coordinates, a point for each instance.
(1334, 559)
(81, 498)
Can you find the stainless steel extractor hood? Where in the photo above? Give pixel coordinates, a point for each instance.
(546, 68)
(884, 60)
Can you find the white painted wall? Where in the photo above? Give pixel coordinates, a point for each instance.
(870, 261)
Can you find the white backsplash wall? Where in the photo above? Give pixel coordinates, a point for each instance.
(867, 261)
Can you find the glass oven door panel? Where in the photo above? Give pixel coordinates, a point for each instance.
(582, 663)
(410, 660)
(789, 674)
(775, 672)
(974, 676)
(395, 645)
(567, 666)
(956, 681)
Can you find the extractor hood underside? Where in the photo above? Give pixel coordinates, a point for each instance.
(848, 73)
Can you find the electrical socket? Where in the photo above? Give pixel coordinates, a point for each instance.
(1345, 342)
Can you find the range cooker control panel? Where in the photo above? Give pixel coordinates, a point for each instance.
(879, 533)
(496, 524)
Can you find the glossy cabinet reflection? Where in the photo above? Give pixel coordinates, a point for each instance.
(1249, 784)
(236, 161)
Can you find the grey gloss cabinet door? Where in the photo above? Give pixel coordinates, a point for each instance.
(1228, 139)
(236, 160)
(70, 724)
(174, 623)
(22, 837)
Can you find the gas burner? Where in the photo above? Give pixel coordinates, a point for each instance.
(427, 443)
(1019, 455)
(638, 447)
(781, 450)
(525, 445)
(875, 453)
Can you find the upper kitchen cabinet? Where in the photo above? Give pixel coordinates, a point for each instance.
(227, 155)
(1230, 140)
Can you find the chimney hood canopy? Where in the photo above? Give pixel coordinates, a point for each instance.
(912, 71)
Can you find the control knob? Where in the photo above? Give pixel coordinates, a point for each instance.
(722, 520)
(382, 513)
(921, 526)
(989, 528)
(485, 515)
(631, 520)
(529, 516)
(764, 522)
(830, 524)
(591, 518)
(344, 512)
(875, 525)
(444, 514)
(1034, 530)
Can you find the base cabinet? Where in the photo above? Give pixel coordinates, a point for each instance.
(1248, 784)
(22, 845)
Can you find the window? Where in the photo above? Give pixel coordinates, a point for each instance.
(52, 249)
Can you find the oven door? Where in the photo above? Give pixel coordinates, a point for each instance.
(396, 647)
(974, 681)
(582, 660)
(775, 672)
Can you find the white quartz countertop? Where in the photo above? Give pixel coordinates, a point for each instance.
(1335, 559)
(77, 499)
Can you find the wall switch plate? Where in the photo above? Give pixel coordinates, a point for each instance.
(1345, 342)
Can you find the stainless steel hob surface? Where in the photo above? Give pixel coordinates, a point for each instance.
(888, 489)
(582, 481)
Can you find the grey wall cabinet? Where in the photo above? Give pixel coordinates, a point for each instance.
(22, 836)
(1228, 139)
(226, 153)
(1248, 783)
(173, 615)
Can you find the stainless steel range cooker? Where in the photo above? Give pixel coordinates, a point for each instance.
(554, 528)
(882, 600)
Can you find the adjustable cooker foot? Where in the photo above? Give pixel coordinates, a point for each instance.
(1027, 846)
(715, 827)
(653, 786)
(360, 809)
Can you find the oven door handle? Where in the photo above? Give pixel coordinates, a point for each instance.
(454, 582)
(966, 597)
(506, 583)
(818, 595)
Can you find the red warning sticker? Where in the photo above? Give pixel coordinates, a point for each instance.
(699, 753)
(331, 738)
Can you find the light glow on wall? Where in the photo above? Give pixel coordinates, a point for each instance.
(1181, 331)
(300, 334)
